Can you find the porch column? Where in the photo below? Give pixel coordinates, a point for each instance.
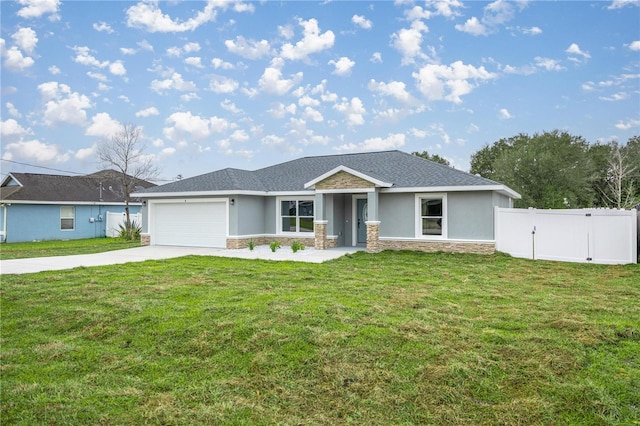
(373, 224)
(319, 223)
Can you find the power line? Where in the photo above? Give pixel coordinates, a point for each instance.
(41, 167)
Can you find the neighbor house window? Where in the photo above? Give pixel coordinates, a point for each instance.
(431, 217)
(67, 218)
(296, 215)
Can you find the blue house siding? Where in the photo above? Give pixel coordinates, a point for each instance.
(38, 222)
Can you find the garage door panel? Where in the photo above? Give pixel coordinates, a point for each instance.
(190, 224)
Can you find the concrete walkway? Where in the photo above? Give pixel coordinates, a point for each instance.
(140, 254)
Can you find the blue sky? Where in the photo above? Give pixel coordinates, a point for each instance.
(249, 84)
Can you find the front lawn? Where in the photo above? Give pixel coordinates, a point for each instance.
(63, 248)
(392, 338)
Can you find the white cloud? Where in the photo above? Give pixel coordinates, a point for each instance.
(494, 15)
(34, 151)
(149, 17)
(249, 49)
(13, 111)
(312, 114)
(194, 61)
(312, 41)
(574, 50)
(239, 135)
(620, 96)
(62, 105)
(86, 153)
(13, 58)
(628, 125)
(280, 110)
(473, 26)
(376, 58)
(10, 129)
(54, 70)
(395, 89)
(102, 27)
(353, 110)
(392, 141)
(117, 68)
(185, 124)
(342, 66)
(97, 76)
(221, 64)
(84, 57)
(227, 105)
(145, 45)
(148, 112)
(446, 8)
(280, 144)
(442, 82)
(26, 39)
(286, 31)
(635, 45)
(272, 81)
(548, 64)
(37, 8)
(174, 83)
(619, 4)
(532, 31)
(417, 133)
(504, 114)
(221, 84)
(408, 41)
(362, 22)
(102, 126)
(128, 51)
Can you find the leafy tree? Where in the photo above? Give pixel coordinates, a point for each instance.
(124, 152)
(549, 170)
(432, 157)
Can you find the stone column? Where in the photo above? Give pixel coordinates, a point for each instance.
(320, 231)
(373, 236)
(145, 239)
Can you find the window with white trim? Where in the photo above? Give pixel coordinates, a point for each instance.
(67, 218)
(296, 216)
(431, 216)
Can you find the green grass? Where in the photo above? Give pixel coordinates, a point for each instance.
(394, 338)
(63, 248)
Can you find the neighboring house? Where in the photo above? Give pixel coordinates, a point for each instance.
(381, 200)
(35, 207)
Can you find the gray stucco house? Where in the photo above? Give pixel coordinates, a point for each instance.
(381, 200)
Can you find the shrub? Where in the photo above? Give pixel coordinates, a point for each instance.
(297, 246)
(132, 234)
(252, 245)
(274, 245)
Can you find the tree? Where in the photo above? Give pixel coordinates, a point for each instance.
(433, 157)
(549, 170)
(621, 189)
(124, 152)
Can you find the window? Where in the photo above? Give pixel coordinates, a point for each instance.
(431, 216)
(296, 215)
(67, 218)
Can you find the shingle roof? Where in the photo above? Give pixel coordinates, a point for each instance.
(52, 188)
(398, 168)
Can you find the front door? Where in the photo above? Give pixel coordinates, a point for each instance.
(363, 215)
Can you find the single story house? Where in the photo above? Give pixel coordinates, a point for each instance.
(381, 200)
(36, 207)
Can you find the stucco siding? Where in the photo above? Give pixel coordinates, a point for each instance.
(470, 215)
(270, 215)
(39, 222)
(397, 215)
(246, 215)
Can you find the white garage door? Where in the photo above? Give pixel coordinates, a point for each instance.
(195, 224)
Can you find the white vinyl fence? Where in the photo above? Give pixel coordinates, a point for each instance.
(115, 220)
(587, 235)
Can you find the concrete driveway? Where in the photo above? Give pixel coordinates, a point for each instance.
(140, 254)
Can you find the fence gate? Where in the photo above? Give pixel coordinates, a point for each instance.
(115, 220)
(586, 235)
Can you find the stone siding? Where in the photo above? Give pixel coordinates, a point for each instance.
(145, 239)
(321, 235)
(373, 237)
(343, 180)
(239, 243)
(434, 246)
